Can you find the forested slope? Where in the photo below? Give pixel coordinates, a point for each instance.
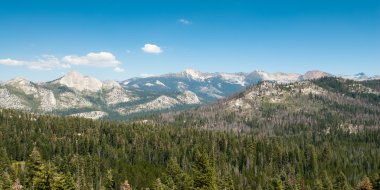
(46, 152)
(270, 108)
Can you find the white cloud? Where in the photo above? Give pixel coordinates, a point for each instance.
(184, 21)
(50, 62)
(96, 59)
(11, 62)
(118, 69)
(151, 48)
(46, 62)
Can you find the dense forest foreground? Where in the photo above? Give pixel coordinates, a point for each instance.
(48, 152)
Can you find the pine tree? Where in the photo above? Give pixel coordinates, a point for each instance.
(43, 178)
(5, 180)
(33, 166)
(60, 181)
(312, 161)
(158, 185)
(277, 184)
(204, 172)
(226, 183)
(4, 160)
(364, 184)
(341, 182)
(180, 179)
(318, 185)
(109, 183)
(326, 182)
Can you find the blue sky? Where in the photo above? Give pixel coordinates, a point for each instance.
(42, 40)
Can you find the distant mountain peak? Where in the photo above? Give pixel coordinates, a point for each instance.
(359, 76)
(259, 75)
(315, 74)
(196, 75)
(18, 80)
(109, 84)
(191, 71)
(77, 81)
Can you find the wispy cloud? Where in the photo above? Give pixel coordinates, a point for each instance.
(11, 62)
(96, 59)
(151, 48)
(50, 62)
(46, 62)
(184, 21)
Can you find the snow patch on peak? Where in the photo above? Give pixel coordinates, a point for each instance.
(159, 83)
(79, 82)
(149, 84)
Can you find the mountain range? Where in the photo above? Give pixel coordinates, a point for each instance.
(86, 96)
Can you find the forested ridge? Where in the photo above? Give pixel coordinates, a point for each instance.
(270, 108)
(321, 134)
(48, 152)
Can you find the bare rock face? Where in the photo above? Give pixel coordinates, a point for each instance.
(44, 96)
(110, 84)
(211, 91)
(23, 84)
(48, 101)
(11, 101)
(90, 115)
(79, 82)
(279, 77)
(70, 100)
(162, 102)
(188, 97)
(195, 75)
(311, 75)
(234, 78)
(115, 93)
